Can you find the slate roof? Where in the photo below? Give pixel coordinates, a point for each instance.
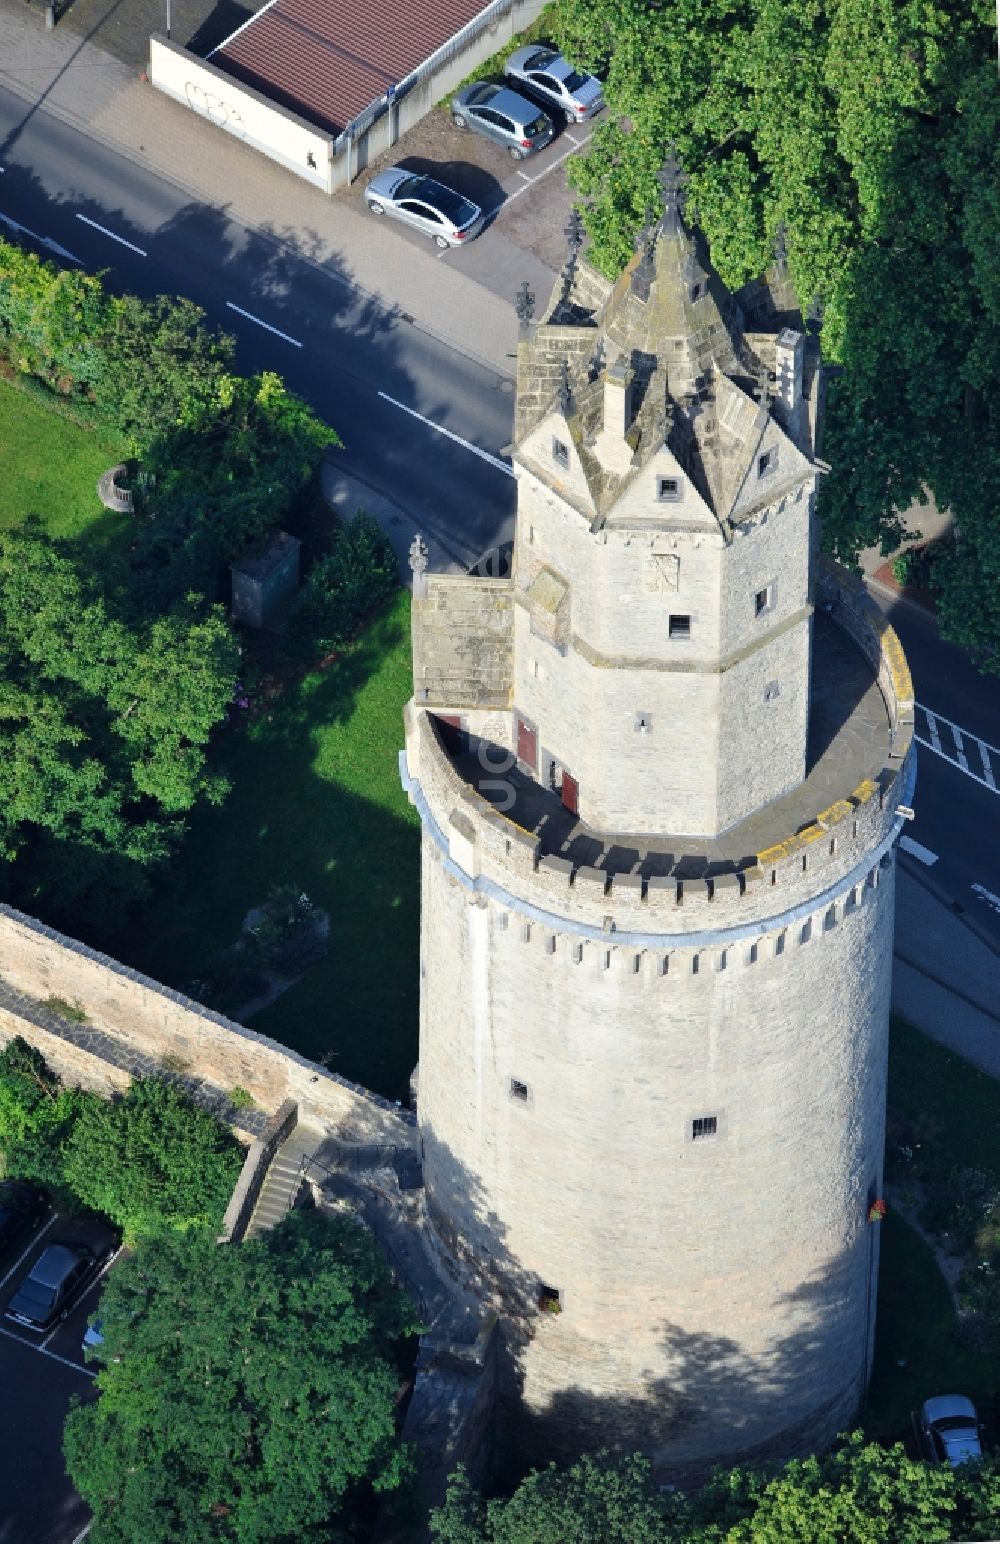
(327, 60)
(700, 378)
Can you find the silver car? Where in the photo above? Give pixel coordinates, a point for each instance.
(503, 116)
(546, 76)
(427, 205)
(949, 1430)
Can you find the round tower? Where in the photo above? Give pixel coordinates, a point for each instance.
(660, 772)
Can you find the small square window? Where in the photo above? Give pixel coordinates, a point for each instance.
(767, 462)
(680, 626)
(762, 601)
(519, 1091)
(668, 489)
(704, 1126)
(560, 452)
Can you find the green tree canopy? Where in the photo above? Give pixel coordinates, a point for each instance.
(247, 1391)
(106, 722)
(870, 131)
(860, 1492)
(151, 1159)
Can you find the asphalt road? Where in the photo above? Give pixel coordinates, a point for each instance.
(335, 345)
(957, 818)
(39, 1375)
(361, 365)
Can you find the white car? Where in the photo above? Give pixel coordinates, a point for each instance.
(949, 1430)
(547, 78)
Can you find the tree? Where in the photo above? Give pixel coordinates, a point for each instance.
(344, 586)
(860, 1491)
(247, 1391)
(36, 1115)
(162, 368)
(598, 1500)
(151, 1159)
(221, 482)
(106, 721)
(870, 130)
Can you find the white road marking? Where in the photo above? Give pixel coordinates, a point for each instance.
(22, 1257)
(986, 782)
(83, 1532)
(111, 235)
(987, 896)
(932, 729)
(922, 854)
(53, 1354)
(573, 138)
(43, 241)
(483, 455)
(488, 213)
(266, 325)
(526, 177)
(944, 733)
(956, 735)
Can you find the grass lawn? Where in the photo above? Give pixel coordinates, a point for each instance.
(916, 1319)
(316, 802)
(51, 467)
(956, 1102)
(916, 1327)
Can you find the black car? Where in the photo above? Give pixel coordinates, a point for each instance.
(20, 1206)
(56, 1279)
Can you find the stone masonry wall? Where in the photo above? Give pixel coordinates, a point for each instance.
(132, 1021)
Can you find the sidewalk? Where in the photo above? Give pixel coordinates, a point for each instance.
(946, 972)
(90, 90)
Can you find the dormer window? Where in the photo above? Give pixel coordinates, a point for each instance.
(668, 489)
(768, 462)
(560, 452)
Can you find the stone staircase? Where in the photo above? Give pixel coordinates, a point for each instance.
(285, 1180)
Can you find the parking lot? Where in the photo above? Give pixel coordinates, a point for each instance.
(527, 203)
(39, 1373)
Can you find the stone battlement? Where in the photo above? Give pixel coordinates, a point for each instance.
(626, 887)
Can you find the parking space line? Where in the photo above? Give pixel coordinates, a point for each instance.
(34, 1240)
(488, 213)
(526, 177)
(83, 1532)
(54, 1355)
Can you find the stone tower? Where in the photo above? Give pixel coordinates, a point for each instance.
(660, 772)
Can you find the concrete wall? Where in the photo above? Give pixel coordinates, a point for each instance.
(243, 112)
(130, 1012)
(280, 134)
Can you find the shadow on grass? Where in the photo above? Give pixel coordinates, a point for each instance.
(315, 802)
(918, 1349)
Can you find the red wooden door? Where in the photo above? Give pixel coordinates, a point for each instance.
(570, 793)
(527, 745)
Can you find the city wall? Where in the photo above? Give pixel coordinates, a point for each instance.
(99, 1023)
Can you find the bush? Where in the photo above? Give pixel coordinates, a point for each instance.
(151, 1160)
(357, 575)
